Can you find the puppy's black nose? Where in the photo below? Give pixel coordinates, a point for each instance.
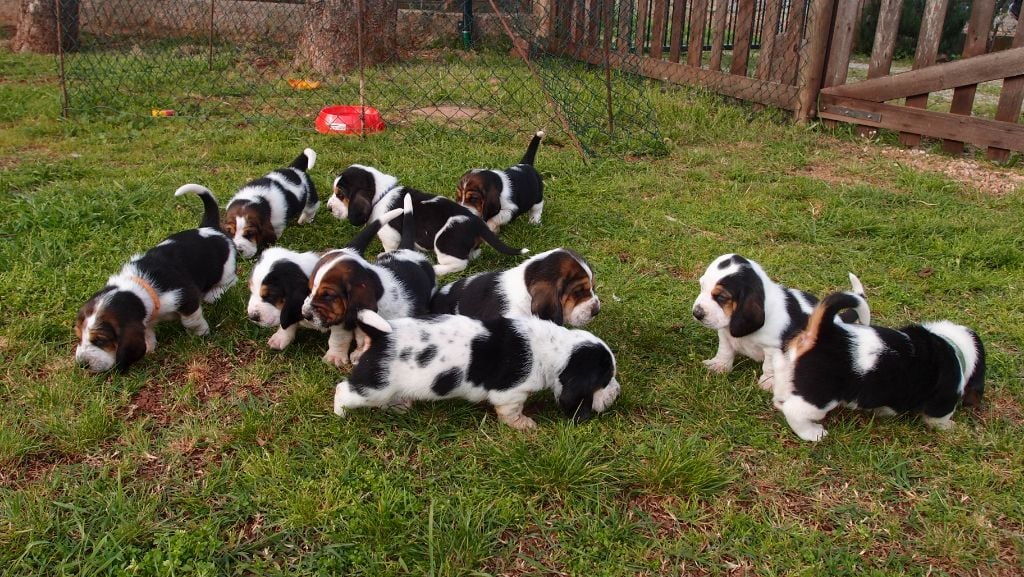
(255, 317)
(698, 313)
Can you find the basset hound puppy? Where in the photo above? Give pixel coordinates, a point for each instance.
(499, 196)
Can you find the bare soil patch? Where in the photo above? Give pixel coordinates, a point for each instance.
(984, 177)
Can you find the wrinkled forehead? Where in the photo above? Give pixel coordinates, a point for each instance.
(335, 265)
(723, 267)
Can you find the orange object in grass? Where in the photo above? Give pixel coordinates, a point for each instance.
(301, 84)
(344, 119)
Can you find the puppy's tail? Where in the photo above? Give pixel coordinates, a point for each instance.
(305, 161)
(862, 313)
(531, 151)
(408, 241)
(211, 212)
(360, 241)
(822, 320)
(492, 239)
(372, 324)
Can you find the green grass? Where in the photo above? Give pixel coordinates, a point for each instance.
(217, 456)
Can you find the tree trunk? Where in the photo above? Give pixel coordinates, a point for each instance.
(37, 26)
(329, 40)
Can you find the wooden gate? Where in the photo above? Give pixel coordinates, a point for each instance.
(869, 102)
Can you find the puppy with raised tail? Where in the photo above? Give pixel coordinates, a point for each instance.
(259, 211)
(500, 361)
(170, 280)
(399, 283)
(450, 230)
(924, 368)
(557, 285)
(754, 315)
(499, 196)
(278, 286)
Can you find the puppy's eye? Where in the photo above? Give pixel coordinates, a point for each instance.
(100, 341)
(721, 298)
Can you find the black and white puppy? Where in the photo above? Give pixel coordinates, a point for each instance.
(450, 230)
(399, 283)
(170, 280)
(259, 211)
(498, 196)
(924, 368)
(754, 316)
(557, 285)
(500, 361)
(277, 288)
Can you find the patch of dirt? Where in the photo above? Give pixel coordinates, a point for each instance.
(34, 467)
(984, 177)
(189, 455)
(525, 553)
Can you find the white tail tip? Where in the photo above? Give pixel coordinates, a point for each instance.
(311, 155)
(371, 318)
(540, 134)
(407, 203)
(390, 215)
(524, 251)
(192, 189)
(857, 286)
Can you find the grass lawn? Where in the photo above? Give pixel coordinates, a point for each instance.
(218, 456)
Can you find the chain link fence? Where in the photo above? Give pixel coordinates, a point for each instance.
(581, 69)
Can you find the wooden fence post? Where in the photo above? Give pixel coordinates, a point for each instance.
(975, 45)
(813, 57)
(1010, 99)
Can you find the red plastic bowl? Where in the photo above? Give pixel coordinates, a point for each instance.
(344, 119)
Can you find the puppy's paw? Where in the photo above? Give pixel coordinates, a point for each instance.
(521, 423)
(766, 382)
(305, 218)
(941, 424)
(279, 340)
(812, 432)
(603, 398)
(717, 365)
(200, 329)
(150, 341)
(400, 406)
(495, 227)
(337, 358)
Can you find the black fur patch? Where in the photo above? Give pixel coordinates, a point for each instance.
(501, 359)
(406, 354)
(478, 296)
(426, 355)
(589, 369)
(447, 381)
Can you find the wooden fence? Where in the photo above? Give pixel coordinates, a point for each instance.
(795, 55)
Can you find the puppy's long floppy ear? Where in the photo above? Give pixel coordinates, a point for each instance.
(492, 197)
(266, 235)
(131, 345)
(291, 312)
(748, 294)
(359, 195)
(545, 302)
(363, 293)
(589, 369)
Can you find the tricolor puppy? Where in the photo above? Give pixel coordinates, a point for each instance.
(259, 211)
(498, 196)
(557, 285)
(170, 280)
(278, 286)
(754, 316)
(500, 361)
(399, 283)
(923, 369)
(362, 193)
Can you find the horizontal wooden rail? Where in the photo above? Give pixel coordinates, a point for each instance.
(978, 131)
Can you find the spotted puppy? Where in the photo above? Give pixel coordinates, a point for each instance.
(557, 286)
(278, 286)
(923, 369)
(754, 316)
(362, 193)
(170, 280)
(259, 211)
(498, 196)
(501, 361)
(399, 283)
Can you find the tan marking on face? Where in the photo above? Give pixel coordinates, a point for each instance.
(255, 230)
(724, 299)
(276, 300)
(471, 194)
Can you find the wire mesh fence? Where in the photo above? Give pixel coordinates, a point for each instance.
(496, 67)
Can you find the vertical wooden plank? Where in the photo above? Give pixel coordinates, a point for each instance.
(721, 8)
(640, 38)
(695, 45)
(593, 10)
(812, 58)
(626, 12)
(658, 27)
(977, 43)
(884, 46)
(841, 48)
(787, 54)
(925, 55)
(772, 10)
(579, 19)
(1010, 100)
(741, 43)
(678, 17)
